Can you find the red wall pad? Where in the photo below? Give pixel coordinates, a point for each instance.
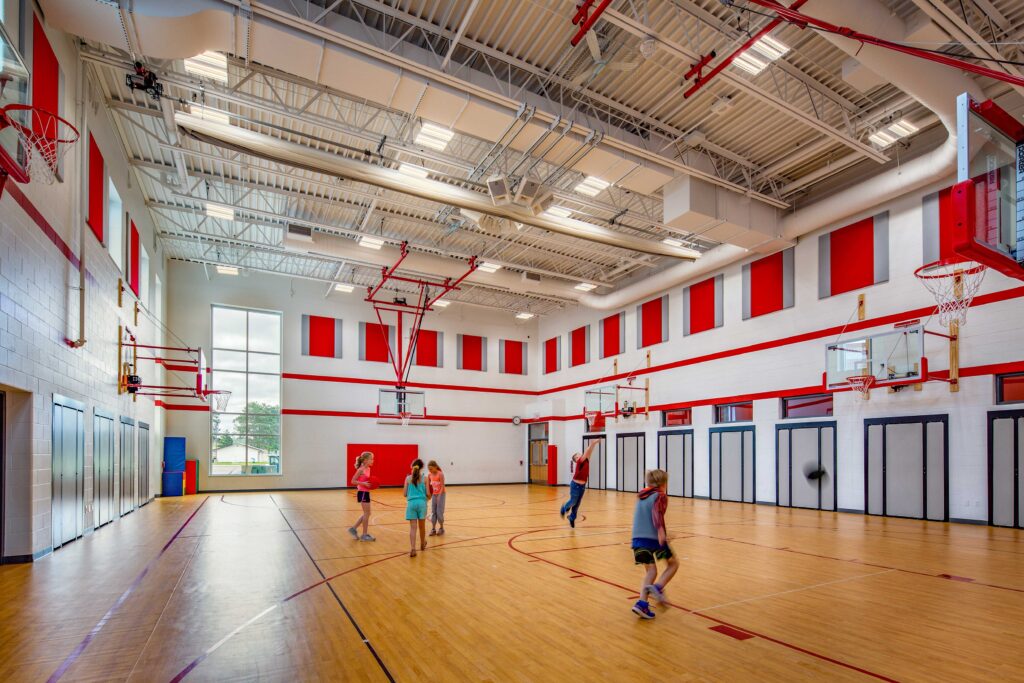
(552, 465)
(133, 257)
(97, 187)
(45, 74)
(854, 256)
(321, 336)
(511, 357)
(579, 346)
(472, 352)
(429, 349)
(702, 305)
(652, 322)
(391, 461)
(937, 224)
(612, 335)
(374, 342)
(768, 284)
(552, 355)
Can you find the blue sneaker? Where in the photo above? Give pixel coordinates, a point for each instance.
(355, 534)
(643, 610)
(655, 590)
(367, 537)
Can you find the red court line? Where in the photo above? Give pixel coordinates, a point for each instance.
(732, 632)
(722, 622)
(77, 652)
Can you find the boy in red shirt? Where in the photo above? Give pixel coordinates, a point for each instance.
(578, 485)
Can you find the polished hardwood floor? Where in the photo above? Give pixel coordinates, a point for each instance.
(269, 586)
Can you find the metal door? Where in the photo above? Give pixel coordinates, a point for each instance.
(1005, 459)
(731, 463)
(102, 468)
(629, 454)
(598, 466)
(799, 449)
(67, 518)
(127, 468)
(143, 491)
(675, 456)
(906, 467)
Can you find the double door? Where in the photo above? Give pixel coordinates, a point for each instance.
(906, 467)
(127, 469)
(103, 491)
(597, 462)
(675, 456)
(629, 457)
(805, 460)
(1005, 462)
(731, 464)
(67, 498)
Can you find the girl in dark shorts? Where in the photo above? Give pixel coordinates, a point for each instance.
(361, 480)
(650, 541)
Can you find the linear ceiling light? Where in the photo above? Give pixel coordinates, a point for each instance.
(489, 267)
(672, 242)
(756, 58)
(227, 270)
(434, 136)
(225, 213)
(557, 212)
(211, 65)
(524, 316)
(883, 137)
(413, 170)
(341, 287)
(592, 186)
(371, 242)
(586, 287)
(210, 114)
(442, 304)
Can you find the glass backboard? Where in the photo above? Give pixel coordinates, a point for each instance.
(600, 400)
(890, 357)
(14, 89)
(399, 402)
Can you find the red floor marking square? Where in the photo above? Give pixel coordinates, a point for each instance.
(732, 632)
(954, 577)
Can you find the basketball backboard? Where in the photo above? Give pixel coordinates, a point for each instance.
(989, 223)
(14, 89)
(401, 402)
(894, 357)
(600, 400)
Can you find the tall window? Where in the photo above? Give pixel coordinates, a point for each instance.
(246, 437)
(115, 221)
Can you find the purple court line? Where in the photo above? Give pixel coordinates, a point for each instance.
(77, 652)
(791, 646)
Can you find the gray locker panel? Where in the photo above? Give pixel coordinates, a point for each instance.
(782, 471)
(876, 436)
(936, 472)
(805, 457)
(673, 446)
(904, 469)
(748, 466)
(716, 456)
(688, 465)
(1002, 471)
(629, 476)
(828, 460)
(597, 463)
(732, 465)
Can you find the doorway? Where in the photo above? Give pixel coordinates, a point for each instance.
(537, 452)
(802, 448)
(67, 468)
(906, 467)
(731, 464)
(144, 496)
(629, 456)
(127, 470)
(675, 456)
(102, 468)
(598, 465)
(1005, 459)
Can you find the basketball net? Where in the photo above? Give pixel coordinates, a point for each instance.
(953, 285)
(45, 139)
(862, 384)
(595, 420)
(221, 400)
(406, 416)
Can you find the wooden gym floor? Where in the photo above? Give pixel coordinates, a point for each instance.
(218, 588)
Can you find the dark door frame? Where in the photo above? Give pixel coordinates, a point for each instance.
(641, 460)
(664, 465)
(753, 462)
(819, 424)
(78, 406)
(922, 420)
(1014, 415)
(603, 470)
(105, 415)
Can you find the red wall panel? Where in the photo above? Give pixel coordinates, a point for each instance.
(651, 325)
(472, 352)
(376, 343)
(852, 256)
(45, 75)
(391, 461)
(97, 209)
(702, 306)
(551, 355)
(766, 285)
(612, 342)
(513, 352)
(426, 348)
(578, 346)
(133, 257)
(321, 336)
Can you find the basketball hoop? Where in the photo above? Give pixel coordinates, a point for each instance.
(595, 420)
(45, 138)
(953, 285)
(220, 400)
(861, 383)
(406, 416)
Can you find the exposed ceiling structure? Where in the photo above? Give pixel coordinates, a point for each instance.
(500, 78)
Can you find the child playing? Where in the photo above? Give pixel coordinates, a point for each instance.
(416, 494)
(650, 541)
(361, 480)
(436, 481)
(578, 485)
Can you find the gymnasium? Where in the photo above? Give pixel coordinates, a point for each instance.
(511, 340)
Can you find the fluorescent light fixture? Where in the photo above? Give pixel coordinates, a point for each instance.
(489, 267)
(341, 287)
(672, 242)
(211, 65)
(557, 212)
(227, 270)
(210, 114)
(902, 128)
(434, 136)
(413, 170)
(442, 304)
(882, 138)
(224, 213)
(371, 242)
(524, 316)
(586, 287)
(755, 59)
(592, 186)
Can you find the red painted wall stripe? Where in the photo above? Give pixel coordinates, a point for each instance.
(852, 256)
(321, 336)
(702, 306)
(766, 285)
(97, 209)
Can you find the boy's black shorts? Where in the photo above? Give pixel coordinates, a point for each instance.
(649, 555)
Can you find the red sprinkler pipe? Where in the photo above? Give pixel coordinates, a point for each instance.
(588, 21)
(701, 81)
(803, 20)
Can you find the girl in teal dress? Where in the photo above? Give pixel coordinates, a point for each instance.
(416, 495)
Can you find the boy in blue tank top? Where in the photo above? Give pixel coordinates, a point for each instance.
(650, 541)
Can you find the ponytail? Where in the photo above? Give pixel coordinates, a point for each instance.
(417, 465)
(363, 457)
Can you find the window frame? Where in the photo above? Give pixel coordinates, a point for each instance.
(1000, 397)
(716, 407)
(783, 413)
(664, 418)
(247, 373)
(120, 258)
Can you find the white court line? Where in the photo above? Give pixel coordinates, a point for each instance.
(792, 590)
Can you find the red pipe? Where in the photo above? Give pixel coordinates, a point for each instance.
(742, 48)
(588, 21)
(581, 11)
(695, 69)
(803, 20)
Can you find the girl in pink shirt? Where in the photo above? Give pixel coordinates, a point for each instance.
(435, 480)
(361, 480)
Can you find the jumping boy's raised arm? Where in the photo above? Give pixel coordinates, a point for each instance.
(590, 449)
